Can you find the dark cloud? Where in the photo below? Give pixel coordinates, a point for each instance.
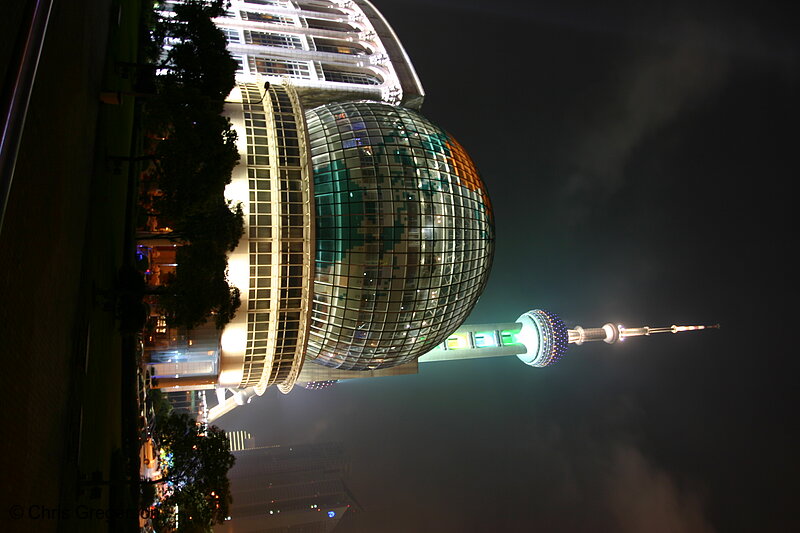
(642, 497)
(633, 103)
(594, 470)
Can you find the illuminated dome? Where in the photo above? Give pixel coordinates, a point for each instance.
(404, 235)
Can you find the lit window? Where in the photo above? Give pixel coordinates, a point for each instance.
(357, 78)
(280, 40)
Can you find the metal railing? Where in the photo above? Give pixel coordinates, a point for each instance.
(18, 87)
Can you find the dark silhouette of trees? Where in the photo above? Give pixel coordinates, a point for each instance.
(200, 289)
(197, 56)
(194, 163)
(221, 223)
(201, 459)
(192, 156)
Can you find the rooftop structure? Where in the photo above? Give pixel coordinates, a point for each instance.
(240, 440)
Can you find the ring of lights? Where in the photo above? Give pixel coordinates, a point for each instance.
(545, 337)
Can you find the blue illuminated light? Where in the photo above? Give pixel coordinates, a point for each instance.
(331, 514)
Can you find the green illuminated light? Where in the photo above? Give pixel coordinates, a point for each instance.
(509, 337)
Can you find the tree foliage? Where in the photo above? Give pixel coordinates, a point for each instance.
(193, 156)
(201, 459)
(200, 288)
(194, 163)
(198, 56)
(192, 49)
(221, 224)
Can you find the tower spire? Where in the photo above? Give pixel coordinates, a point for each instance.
(611, 333)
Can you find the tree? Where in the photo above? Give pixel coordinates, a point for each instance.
(197, 148)
(201, 459)
(197, 55)
(199, 289)
(221, 223)
(193, 155)
(194, 163)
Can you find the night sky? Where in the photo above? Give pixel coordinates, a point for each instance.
(640, 159)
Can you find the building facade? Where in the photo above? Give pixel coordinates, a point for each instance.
(283, 489)
(369, 234)
(336, 50)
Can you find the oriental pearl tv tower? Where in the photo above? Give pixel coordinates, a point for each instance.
(368, 231)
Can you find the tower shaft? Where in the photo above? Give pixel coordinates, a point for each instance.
(476, 341)
(538, 338)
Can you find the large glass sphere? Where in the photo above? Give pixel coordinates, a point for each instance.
(404, 235)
